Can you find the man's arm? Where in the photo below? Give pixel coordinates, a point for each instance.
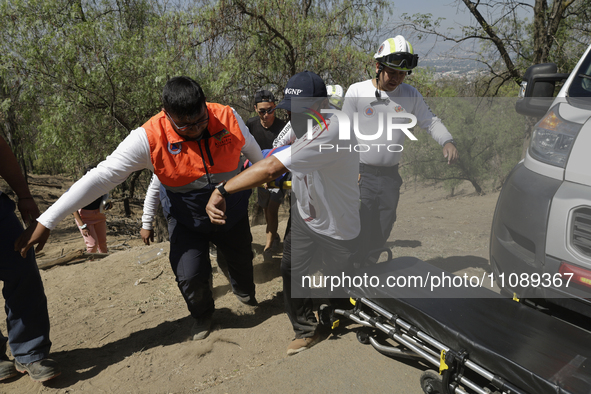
(285, 137)
(435, 127)
(151, 203)
(264, 171)
(251, 148)
(133, 154)
(450, 152)
(80, 223)
(11, 172)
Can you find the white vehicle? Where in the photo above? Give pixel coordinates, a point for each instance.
(541, 234)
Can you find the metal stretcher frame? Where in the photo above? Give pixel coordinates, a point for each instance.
(486, 342)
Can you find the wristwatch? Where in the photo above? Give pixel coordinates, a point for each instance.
(222, 190)
(451, 142)
(82, 227)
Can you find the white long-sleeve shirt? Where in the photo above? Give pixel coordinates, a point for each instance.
(403, 99)
(132, 154)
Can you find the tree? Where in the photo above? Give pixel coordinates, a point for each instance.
(507, 44)
(487, 130)
(263, 43)
(488, 133)
(92, 71)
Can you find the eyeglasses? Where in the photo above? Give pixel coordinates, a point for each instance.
(266, 111)
(188, 126)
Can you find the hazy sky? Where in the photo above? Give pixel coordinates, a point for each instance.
(455, 13)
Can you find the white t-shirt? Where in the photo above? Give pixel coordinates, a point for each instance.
(383, 151)
(324, 182)
(132, 154)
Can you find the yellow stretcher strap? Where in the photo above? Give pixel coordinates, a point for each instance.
(335, 324)
(442, 365)
(284, 185)
(515, 298)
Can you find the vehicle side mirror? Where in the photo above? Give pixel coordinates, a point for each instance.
(537, 89)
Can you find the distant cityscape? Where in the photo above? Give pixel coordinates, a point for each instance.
(446, 67)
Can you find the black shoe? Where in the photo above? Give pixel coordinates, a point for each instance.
(7, 369)
(39, 371)
(201, 328)
(248, 300)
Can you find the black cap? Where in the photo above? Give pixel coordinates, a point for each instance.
(304, 84)
(263, 96)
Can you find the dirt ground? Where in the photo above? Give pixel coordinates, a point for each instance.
(123, 327)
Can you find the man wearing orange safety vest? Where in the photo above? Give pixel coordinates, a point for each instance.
(191, 146)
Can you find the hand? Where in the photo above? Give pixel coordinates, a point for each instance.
(147, 236)
(450, 152)
(29, 210)
(35, 234)
(216, 208)
(85, 233)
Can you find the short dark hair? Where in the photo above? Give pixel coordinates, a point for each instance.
(183, 97)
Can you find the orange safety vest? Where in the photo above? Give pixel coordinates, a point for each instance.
(212, 159)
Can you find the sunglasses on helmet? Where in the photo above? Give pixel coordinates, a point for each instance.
(400, 60)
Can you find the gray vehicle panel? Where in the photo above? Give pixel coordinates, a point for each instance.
(518, 236)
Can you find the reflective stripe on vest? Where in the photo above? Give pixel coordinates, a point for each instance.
(185, 165)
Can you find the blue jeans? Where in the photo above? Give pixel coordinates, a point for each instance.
(27, 318)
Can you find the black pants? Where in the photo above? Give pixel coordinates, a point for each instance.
(189, 258)
(300, 246)
(379, 189)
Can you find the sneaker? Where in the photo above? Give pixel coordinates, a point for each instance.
(247, 300)
(300, 344)
(7, 369)
(39, 371)
(201, 328)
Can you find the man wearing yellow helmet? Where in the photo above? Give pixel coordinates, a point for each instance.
(387, 96)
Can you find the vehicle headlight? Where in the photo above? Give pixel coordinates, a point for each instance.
(522, 89)
(552, 139)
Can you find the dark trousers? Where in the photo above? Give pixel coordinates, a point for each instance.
(300, 246)
(189, 258)
(379, 189)
(27, 319)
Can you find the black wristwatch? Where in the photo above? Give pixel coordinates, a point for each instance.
(451, 142)
(222, 190)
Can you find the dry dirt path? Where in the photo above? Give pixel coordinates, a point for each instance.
(122, 327)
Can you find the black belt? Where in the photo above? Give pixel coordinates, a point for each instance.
(377, 170)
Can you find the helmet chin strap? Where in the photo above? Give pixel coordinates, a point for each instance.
(379, 99)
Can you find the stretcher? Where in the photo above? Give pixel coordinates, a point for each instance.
(477, 341)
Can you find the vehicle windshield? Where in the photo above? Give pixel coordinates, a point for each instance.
(581, 85)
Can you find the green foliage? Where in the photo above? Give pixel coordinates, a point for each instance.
(77, 76)
(263, 43)
(85, 75)
(488, 133)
